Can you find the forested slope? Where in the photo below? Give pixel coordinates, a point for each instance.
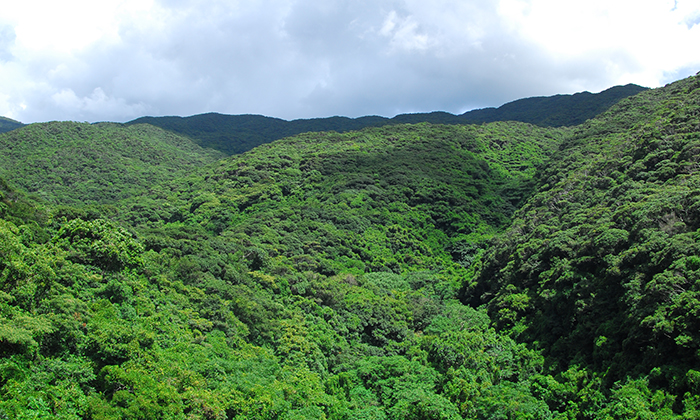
(233, 134)
(444, 187)
(7, 124)
(312, 278)
(600, 268)
(499, 271)
(554, 111)
(78, 163)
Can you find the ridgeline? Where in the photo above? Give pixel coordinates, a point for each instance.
(504, 270)
(234, 134)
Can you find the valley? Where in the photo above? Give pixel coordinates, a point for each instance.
(417, 270)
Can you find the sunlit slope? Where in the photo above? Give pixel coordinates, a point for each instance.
(392, 198)
(79, 163)
(97, 322)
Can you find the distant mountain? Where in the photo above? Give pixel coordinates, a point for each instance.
(554, 111)
(412, 271)
(7, 124)
(234, 134)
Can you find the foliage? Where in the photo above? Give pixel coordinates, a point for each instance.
(78, 163)
(501, 271)
(7, 124)
(600, 266)
(234, 134)
(554, 111)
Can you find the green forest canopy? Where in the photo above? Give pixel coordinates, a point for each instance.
(78, 163)
(499, 271)
(233, 134)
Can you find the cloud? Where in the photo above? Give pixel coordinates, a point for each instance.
(7, 38)
(120, 59)
(95, 103)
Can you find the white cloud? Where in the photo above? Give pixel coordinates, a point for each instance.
(638, 40)
(404, 33)
(119, 59)
(96, 103)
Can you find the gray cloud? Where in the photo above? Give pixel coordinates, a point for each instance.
(301, 59)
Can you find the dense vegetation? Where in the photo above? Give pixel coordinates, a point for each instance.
(600, 268)
(554, 111)
(77, 163)
(7, 124)
(499, 271)
(233, 134)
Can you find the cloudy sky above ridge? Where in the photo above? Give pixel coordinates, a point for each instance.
(116, 60)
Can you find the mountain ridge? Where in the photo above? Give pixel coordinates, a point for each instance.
(8, 124)
(411, 271)
(233, 134)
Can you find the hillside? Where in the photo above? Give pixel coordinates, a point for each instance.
(314, 277)
(233, 134)
(79, 163)
(7, 124)
(554, 111)
(410, 271)
(600, 267)
(444, 187)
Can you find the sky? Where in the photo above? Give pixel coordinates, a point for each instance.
(117, 60)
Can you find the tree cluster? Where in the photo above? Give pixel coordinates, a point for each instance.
(416, 271)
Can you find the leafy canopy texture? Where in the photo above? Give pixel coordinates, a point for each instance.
(600, 267)
(234, 134)
(415, 271)
(77, 163)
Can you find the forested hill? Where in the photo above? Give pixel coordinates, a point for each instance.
(554, 111)
(79, 163)
(234, 134)
(601, 267)
(411, 271)
(314, 277)
(445, 188)
(7, 124)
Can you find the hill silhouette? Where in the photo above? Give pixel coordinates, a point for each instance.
(234, 134)
(7, 124)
